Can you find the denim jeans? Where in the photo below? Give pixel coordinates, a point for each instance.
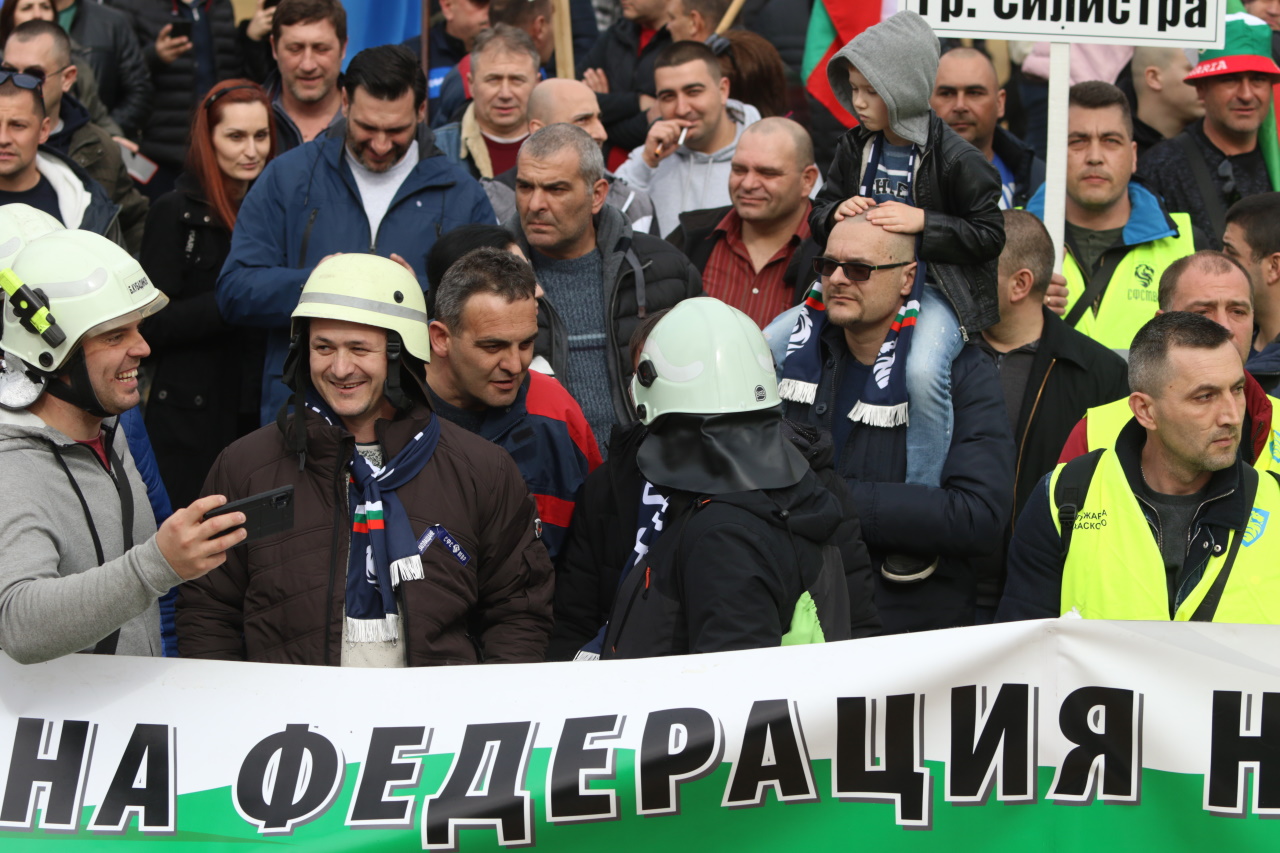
(935, 343)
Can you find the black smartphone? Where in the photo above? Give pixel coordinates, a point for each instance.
(180, 30)
(265, 514)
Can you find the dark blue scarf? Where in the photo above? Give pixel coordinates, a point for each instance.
(384, 550)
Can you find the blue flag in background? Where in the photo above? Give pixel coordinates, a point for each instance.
(382, 22)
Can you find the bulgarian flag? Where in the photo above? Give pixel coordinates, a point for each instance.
(832, 24)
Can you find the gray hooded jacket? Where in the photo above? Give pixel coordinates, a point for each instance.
(54, 597)
(688, 179)
(899, 58)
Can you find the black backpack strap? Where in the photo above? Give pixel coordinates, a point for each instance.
(1097, 283)
(1209, 191)
(1070, 490)
(1209, 604)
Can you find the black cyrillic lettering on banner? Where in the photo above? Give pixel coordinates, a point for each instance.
(143, 784)
(576, 762)
(1196, 12)
(1115, 14)
(1105, 723)
(679, 745)
(288, 779)
(1169, 14)
(951, 9)
(385, 769)
(899, 777)
(37, 767)
(773, 755)
(1006, 10)
(1241, 742)
(485, 787)
(1006, 740)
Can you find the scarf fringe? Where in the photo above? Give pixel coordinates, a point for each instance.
(406, 569)
(373, 630)
(880, 416)
(798, 391)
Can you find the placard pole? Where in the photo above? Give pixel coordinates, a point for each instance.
(1055, 191)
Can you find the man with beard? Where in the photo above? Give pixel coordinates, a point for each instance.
(381, 187)
(1102, 536)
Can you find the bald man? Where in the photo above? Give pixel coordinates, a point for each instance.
(559, 100)
(756, 253)
(968, 97)
(1166, 102)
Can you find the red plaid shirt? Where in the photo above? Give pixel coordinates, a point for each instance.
(731, 277)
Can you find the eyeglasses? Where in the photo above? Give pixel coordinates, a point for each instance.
(1228, 176)
(852, 270)
(32, 78)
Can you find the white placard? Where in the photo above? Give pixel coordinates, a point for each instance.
(1176, 23)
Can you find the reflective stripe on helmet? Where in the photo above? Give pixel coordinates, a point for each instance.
(371, 305)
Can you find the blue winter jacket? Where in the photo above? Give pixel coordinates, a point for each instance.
(305, 206)
(135, 432)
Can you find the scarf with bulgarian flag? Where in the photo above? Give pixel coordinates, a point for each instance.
(384, 550)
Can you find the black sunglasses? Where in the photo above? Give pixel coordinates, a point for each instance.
(32, 78)
(853, 270)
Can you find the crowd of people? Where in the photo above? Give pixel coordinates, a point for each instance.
(655, 359)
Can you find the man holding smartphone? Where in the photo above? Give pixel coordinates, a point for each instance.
(415, 542)
(83, 562)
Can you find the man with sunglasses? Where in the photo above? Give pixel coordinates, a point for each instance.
(42, 178)
(835, 354)
(43, 49)
(1218, 160)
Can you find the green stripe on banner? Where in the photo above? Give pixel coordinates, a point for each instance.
(822, 32)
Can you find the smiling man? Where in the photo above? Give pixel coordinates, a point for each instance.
(84, 563)
(757, 254)
(482, 341)
(684, 161)
(309, 44)
(1119, 237)
(1152, 527)
(379, 187)
(1217, 160)
(431, 553)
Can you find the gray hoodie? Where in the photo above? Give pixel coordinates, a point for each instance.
(688, 179)
(54, 597)
(899, 58)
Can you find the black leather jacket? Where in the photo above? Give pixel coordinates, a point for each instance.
(963, 229)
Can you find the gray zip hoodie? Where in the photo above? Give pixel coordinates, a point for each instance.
(899, 58)
(54, 597)
(688, 179)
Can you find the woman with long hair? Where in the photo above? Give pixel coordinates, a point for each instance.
(205, 375)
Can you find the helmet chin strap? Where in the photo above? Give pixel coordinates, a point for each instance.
(79, 392)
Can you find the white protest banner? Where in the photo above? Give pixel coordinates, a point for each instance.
(1176, 23)
(953, 740)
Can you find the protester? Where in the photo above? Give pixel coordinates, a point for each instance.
(435, 544)
(967, 96)
(1166, 102)
(106, 35)
(451, 40)
(482, 334)
(1217, 286)
(1173, 468)
(619, 69)
(504, 70)
(309, 44)
(1253, 239)
(41, 176)
(1219, 159)
(756, 254)
(184, 69)
(84, 563)
(756, 74)
(380, 187)
(1051, 374)
(1119, 236)
(694, 20)
(885, 77)
(684, 162)
(39, 46)
(204, 381)
(600, 277)
(922, 538)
